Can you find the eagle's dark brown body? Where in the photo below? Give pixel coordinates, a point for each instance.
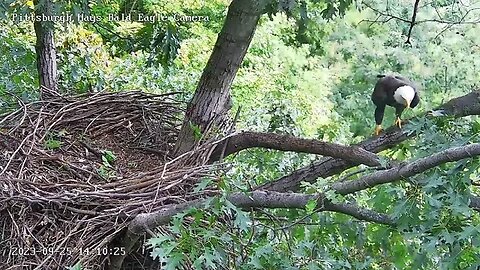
(384, 94)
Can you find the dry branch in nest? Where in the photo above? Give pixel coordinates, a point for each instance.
(75, 170)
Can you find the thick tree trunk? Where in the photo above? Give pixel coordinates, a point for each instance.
(211, 100)
(45, 48)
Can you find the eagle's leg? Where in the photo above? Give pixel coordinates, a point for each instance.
(398, 113)
(398, 122)
(379, 111)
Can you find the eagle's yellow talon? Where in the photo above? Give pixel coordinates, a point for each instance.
(398, 122)
(378, 129)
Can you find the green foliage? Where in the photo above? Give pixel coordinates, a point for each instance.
(201, 237)
(108, 157)
(18, 82)
(310, 206)
(53, 140)
(432, 209)
(165, 46)
(197, 132)
(106, 170)
(203, 184)
(52, 144)
(83, 61)
(161, 36)
(77, 266)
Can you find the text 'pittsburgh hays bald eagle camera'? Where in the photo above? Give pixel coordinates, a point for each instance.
(395, 91)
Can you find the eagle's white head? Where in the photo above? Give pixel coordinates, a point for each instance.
(404, 95)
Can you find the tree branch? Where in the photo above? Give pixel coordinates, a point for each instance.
(327, 167)
(387, 14)
(407, 169)
(259, 199)
(461, 106)
(249, 139)
(458, 107)
(412, 22)
(388, 17)
(267, 199)
(475, 203)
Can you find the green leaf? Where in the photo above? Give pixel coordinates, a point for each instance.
(197, 132)
(109, 156)
(77, 266)
(198, 262)
(311, 206)
(53, 144)
(333, 196)
(176, 225)
(209, 258)
(156, 241)
(159, 253)
(255, 262)
(202, 185)
(448, 237)
(242, 221)
(174, 261)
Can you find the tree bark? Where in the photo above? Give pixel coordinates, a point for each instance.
(45, 48)
(408, 169)
(211, 100)
(249, 139)
(461, 106)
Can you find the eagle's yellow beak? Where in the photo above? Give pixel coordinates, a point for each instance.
(407, 104)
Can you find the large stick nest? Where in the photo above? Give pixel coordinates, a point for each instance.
(74, 171)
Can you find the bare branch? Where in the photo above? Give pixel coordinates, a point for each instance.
(361, 213)
(461, 21)
(409, 169)
(249, 139)
(267, 199)
(259, 199)
(412, 22)
(327, 167)
(385, 16)
(461, 106)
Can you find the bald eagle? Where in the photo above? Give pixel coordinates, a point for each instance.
(395, 91)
